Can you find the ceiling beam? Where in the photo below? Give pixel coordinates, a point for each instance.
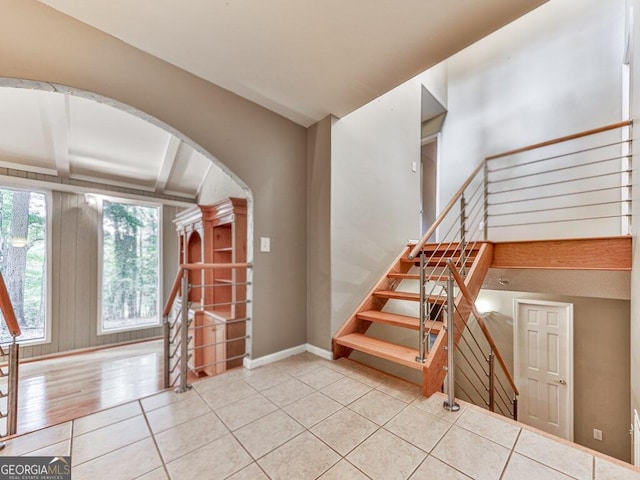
(54, 110)
(167, 164)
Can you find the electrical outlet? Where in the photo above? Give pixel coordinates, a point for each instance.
(597, 434)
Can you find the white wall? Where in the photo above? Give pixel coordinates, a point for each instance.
(374, 193)
(635, 273)
(219, 185)
(553, 72)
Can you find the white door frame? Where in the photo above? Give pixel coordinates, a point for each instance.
(569, 311)
(437, 139)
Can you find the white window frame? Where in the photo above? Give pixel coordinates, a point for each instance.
(127, 201)
(48, 261)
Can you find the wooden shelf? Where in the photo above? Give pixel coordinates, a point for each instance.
(216, 234)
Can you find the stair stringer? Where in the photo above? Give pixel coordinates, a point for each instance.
(433, 372)
(370, 302)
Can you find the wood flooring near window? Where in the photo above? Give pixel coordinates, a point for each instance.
(59, 389)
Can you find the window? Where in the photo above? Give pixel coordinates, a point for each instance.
(130, 266)
(23, 261)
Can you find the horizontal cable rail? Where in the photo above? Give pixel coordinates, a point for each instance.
(476, 353)
(459, 230)
(528, 193)
(481, 323)
(567, 138)
(195, 266)
(195, 331)
(586, 178)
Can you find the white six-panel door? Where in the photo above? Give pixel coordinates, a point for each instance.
(543, 361)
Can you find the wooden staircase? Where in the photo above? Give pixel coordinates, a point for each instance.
(352, 335)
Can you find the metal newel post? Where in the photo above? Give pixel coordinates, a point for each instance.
(491, 361)
(184, 334)
(486, 201)
(463, 234)
(421, 347)
(12, 400)
(450, 404)
(166, 333)
(515, 408)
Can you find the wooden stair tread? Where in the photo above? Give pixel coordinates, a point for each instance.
(397, 320)
(390, 351)
(410, 296)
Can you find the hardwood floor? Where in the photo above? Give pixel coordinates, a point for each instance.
(59, 389)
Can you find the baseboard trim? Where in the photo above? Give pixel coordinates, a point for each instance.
(252, 363)
(320, 352)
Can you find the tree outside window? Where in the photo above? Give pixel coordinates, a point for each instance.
(130, 266)
(23, 260)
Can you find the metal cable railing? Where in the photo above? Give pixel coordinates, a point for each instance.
(189, 327)
(13, 362)
(484, 377)
(459, 229)
(585, 177)
(583, 180)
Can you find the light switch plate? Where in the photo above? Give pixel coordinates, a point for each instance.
(265, 244)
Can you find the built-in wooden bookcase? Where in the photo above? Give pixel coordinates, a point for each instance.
(216, 234)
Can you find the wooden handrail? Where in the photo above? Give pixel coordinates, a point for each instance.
(444, 213)
(555, 141)
(466, 294)
(7, 310)
(195, 266)
(418, 247)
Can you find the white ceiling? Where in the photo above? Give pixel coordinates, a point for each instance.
(303, 59)
(81, 139)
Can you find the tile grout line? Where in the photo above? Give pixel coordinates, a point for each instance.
(451, 424)
(73, 424)
(511, 452)
(153, 438)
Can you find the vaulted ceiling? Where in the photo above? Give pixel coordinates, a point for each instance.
(81, 139)
(303, 59)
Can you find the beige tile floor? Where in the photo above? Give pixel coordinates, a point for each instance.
(308, 418)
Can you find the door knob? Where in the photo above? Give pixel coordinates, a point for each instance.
(561, 382)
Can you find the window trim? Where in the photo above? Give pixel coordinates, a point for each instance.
(48, 263)
(100, 330)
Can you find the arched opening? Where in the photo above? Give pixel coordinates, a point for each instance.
(85, 151)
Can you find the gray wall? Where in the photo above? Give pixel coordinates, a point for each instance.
(264, 149)
(74, 277)
(601, 363)
(319, 233)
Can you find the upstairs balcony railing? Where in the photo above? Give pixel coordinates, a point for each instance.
(573, 186)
